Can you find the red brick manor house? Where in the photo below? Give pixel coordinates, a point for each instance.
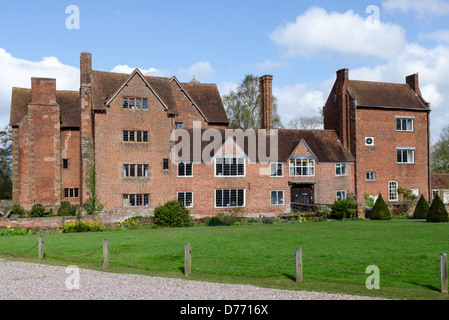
(375, 140)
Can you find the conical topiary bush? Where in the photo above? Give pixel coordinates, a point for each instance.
(380, 210)
(437, 211)
(421, 209)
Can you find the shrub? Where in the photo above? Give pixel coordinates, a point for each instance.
(81, 226)
(38, 210)
(17, 209)
(380, 210)
(323, 212)
(421, 209)
(66, 209)
(346, 208)
(172, 214)
(437, 211)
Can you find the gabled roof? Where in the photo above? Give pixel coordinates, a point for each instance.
(205, 97)
(69, 102)
(136, 72)
(324, 145)
(387, 95)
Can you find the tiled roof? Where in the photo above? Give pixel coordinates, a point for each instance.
(68, 100)
(439, 181)
(382, 94)
(205, 96)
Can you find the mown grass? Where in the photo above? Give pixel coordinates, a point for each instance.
(345, 245)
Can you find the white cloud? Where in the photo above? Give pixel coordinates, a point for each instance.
(317, 32)
(226, 87)
(202, 71)
(298, 100)
(421, 8)
(18, 73)
(149, 72)
(439, 36)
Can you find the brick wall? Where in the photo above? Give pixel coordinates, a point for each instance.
(381, 158)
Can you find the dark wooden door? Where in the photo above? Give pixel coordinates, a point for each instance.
(302, 194)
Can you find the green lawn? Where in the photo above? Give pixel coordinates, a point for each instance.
(392, 246)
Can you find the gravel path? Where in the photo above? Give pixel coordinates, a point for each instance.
(27, 281)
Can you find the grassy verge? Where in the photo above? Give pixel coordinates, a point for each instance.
(344, 245)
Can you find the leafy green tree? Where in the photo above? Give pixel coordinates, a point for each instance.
(6, 163)
(440, 153)
(243, 105)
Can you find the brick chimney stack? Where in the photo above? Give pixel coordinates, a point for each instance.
(266, 102)
(412, 81)
(86, 68)
(43, 91)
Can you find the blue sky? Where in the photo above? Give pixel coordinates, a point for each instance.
(301, 43)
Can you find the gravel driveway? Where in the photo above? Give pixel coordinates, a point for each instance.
(27, 281)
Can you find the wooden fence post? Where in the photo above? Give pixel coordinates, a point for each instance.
(443, 272)
(187, 260)
(105, 253)
(40, 247)
(298, 264)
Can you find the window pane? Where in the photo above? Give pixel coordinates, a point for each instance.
(218, 198)
(125, 103)
(125, 135)
(145, 104)
(126, 170)
(273, 197)
(139, 200)
(188, 199)
(139, 103)
(145, 170)
(241, 167)
(219, 166)
(139, 170)
(145, 136)
(181, 169)
(226, 198)
(146, 200)
(188, 168)
(241, 198)
(131, 103)
(280, 197)
(139, 136)
(132, 170)
(131, 136)
(132, 200)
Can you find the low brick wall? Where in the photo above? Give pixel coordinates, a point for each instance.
(106, 218)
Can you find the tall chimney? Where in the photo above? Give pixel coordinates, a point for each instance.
(43, 91)
(412, 81)
(266, 102)
(86, 68)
